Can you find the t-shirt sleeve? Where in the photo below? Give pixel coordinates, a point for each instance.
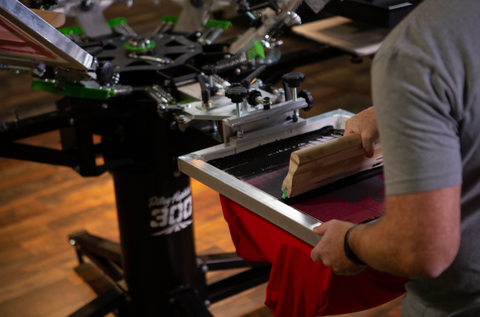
(418, 131)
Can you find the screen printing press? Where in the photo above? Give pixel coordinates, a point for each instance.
(248, 173)
(154, 98)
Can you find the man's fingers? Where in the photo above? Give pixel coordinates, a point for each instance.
(367, 143)
(320, 230)
(315, 255)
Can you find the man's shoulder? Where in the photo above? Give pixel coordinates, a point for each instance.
(433, 29)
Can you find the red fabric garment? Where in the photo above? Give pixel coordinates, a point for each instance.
(297, 285)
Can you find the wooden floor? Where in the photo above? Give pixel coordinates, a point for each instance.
(41, 204)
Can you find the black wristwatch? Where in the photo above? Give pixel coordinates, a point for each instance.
(349, 253)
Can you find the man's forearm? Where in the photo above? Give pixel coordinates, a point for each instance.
(418, 236)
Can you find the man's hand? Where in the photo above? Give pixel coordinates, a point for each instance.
(330, 249)
(365, 124)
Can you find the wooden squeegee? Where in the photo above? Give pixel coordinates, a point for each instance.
(327, 162)
(55, 19)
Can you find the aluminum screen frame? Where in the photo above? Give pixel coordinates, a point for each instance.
(49, 46)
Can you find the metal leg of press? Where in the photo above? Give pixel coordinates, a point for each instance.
(102, 305)
(104, 253)
(258, 274)
(238, 283)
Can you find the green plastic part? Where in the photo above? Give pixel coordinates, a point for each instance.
(73, 90)
(78, 30)
(256, 50)
(117, 21)
(131, 48)
(67, 31)
(285, 191)
(169, 18)
(216, 23)
(219, 24)
(187, 101)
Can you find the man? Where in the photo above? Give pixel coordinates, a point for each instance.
(426, 96)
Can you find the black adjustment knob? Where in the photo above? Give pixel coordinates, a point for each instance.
(308, 98)
(46, 4)
(210, 69)
(236, 94)
(293, 79)
(87, 5)
(104, 72)
(252, 97)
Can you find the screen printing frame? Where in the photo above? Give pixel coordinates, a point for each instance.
(38, 32)
(266, 206)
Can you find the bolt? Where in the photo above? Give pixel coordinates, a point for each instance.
(207, 303)
(240, 133)
(166, 82)
(204, 268)
(72, 242)
(295, 116)
(237, 71)
(251, 16)
(267, 103)
(104, 106)
(71, 121)
(181, 119)
(227, 56)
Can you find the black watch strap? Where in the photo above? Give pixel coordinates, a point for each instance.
(349, 253)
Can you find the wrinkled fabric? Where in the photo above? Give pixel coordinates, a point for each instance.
(297, 285)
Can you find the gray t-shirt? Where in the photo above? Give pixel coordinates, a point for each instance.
(426, 93)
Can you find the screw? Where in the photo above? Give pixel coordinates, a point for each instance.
(207, 303)
(104, 106)
(181, 119)
(295, 116)
(72, 242)
(204, 268)
(237, 71)
(71, 121)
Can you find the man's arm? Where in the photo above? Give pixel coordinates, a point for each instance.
(418, 236)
